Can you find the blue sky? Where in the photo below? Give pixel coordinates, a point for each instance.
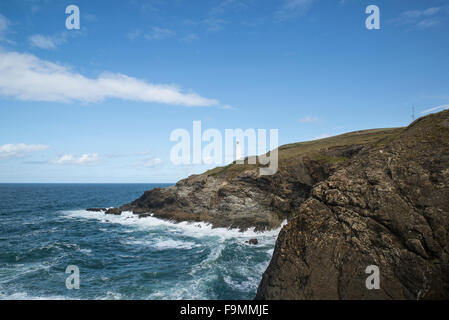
(98, 104)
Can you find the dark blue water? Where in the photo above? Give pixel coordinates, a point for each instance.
(44, 228)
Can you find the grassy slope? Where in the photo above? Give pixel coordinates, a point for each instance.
(314, 149)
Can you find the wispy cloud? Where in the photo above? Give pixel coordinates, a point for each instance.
(157, 33)
(291, 9)
(214, 24)
(52, 41)
(88, 158)
(4, 29)
(439, 108)
(134, 34)
(4, 23)
(45, 42)
(308, 119)
(422, 19)
(211, 23)
(152, 162)
(230, 5)
(26, 77)
(14, 150)
(190, 38)
(89, 17)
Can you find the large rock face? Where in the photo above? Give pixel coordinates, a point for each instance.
(237, 196)
(389, 207)
(242, 201)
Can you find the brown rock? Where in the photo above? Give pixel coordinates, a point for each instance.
(96, 209)
(253, 241)
(114, 211)
(389, 209)
(236, 196)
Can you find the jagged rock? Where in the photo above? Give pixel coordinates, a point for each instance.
(96, 209)
(389, 207)
(236, 196)
(114, 211)
(375, 197)
(253, 241)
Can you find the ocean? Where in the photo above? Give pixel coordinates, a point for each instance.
(44, 228)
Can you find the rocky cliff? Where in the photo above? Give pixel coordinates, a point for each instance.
(376, 197)
(388, 207)
(237, 196)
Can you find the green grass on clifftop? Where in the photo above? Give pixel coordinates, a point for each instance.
(316, 150)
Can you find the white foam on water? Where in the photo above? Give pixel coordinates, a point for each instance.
(20, 270)
(163, 243)
(175, 244)
(192, 229)
(110, 295)
(208, 262)
(86, 251)
(163, 234)
(26, 296)
(194, 289)
(246, 285)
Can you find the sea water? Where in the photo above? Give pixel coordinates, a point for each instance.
(44, 228)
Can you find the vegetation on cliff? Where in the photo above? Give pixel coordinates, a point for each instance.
(388, 207)
(375, 197)
(237, 196)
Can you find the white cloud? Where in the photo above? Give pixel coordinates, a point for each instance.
(12, 150)
(133, 35)
(439, 108)
(190, 38)
(291, 9)
(43, 42)
(47, 42)
(52, 41)
(4, 26)
(422, 19)
(26, 77)
(89, 17)
(157, 33)
(308, 119)
(87, 158)
(152, 162)
(214, 24)
(4, 22)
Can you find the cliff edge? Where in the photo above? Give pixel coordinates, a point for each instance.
(388, 207)
(237, 196)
